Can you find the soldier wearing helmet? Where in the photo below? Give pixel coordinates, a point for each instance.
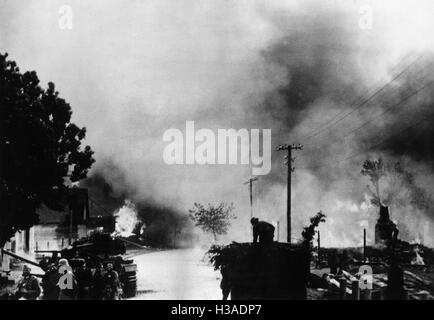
(28, 286)
(263, 231)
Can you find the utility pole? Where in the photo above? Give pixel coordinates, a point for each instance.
(70, 225)
(364, 245)
(250, 182)
(278, 231)
(291, 169)
(319, 250)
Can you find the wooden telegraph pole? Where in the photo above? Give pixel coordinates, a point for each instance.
(364, 245)
(250, 183)
(278, 231)
(70, 225)
(319, 250)
(291, 169)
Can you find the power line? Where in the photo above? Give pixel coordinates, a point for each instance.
(393, 106)
(368, 149)
(334, 121)
(360, 98)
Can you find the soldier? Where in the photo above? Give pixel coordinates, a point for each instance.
(49, 283)
(98, 283)
(111, 283)
(262, 230)
(67, 282)
(84, 280)
(28, 286)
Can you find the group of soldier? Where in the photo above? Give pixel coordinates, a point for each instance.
(62, 282)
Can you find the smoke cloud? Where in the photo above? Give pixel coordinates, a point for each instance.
(132, 70)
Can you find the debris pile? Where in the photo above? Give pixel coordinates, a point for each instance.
(412, 269)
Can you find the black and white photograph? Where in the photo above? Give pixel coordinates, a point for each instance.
(195, 150)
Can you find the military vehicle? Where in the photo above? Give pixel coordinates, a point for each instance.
(96, 249)
(257, 271)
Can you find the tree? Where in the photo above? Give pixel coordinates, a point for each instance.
(308, 232)
(213, 219)
(40, 149)
(393, 184)
(375, 170)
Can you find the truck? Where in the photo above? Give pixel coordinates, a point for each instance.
(253, 271)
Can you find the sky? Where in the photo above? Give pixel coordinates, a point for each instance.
(133, 69)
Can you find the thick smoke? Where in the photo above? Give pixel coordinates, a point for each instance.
(291, 66)
(331, 71)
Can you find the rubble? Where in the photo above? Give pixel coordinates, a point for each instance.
(417, 278)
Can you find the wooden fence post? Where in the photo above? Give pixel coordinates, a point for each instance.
(356, 289)
(342, 288)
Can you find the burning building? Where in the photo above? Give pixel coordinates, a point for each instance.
(385, 229)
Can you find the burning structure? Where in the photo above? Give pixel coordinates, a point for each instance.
(126, 219)
(307, 70)
(385, 229)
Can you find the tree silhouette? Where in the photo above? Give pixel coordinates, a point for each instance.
(213, 219)
(375, 170)
(393, 184)
(40, 149)
(308, 232)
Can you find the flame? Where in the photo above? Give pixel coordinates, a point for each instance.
(345, 222)
(126, 219)
(418, 260)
